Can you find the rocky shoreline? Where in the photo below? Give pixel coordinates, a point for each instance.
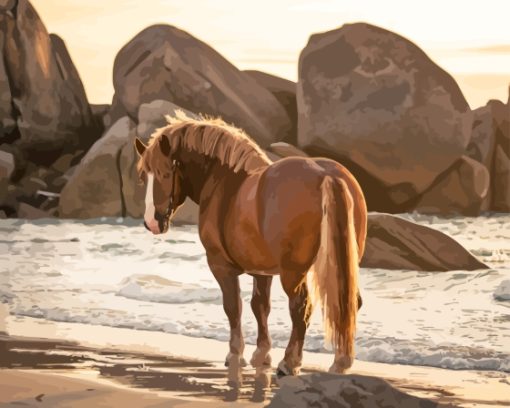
(366, 97)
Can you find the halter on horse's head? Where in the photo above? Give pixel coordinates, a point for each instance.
(163, 176)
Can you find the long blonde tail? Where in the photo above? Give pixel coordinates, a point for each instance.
(336, 270)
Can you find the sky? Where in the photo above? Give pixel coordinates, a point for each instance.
(470, 39)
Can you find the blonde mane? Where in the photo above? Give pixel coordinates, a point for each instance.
(211, 137)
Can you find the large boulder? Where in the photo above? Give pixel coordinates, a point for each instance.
(483, 142)
(395, 243)
(376, 102)
(152, 116)
(501, 165)
(95, 188)
(462, 189)
(490, 129)
(501, 176)
(163, 62)
(324, 390)
(40, 90)
(283, 90)
(483, 136)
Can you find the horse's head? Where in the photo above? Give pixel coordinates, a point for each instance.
(163, 178)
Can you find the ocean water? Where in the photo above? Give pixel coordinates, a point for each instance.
(115, 273)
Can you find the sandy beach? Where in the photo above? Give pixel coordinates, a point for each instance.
(71, 364)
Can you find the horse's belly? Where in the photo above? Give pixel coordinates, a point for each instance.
(265, 272)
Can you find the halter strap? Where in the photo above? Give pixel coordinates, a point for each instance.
(172, 207)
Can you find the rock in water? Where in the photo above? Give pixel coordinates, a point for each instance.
(502, 292)
(395, 243)
(163, 62)
(377, 103)
(323, 390)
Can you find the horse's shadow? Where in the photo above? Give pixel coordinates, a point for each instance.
(203, 380)
(257, 388)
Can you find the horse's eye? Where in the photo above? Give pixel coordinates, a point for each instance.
(166, 175)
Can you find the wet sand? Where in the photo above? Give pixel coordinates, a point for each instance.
(43, 372)
(77, 365)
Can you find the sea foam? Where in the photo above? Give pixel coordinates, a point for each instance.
(154, 288)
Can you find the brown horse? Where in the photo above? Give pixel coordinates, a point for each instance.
(264, 219)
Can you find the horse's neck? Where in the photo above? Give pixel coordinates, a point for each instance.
(202, 174)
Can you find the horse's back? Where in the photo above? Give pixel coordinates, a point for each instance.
(276, 216)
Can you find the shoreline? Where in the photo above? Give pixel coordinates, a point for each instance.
(165, 367)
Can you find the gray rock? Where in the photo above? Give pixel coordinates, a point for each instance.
(163, 62)
(63, 163)
(7, 5)
(95, 189)
(7, 165)
(502, 292)
(187, 213)
(132, 189)
(151, 116)
(491, 128)
(323, 390)
(31, 213)
(462, 189)
(31, 184)
(501, 176)
(374, 101)
(100, 113)
(395, 243)
(283, 90)
(40, 89)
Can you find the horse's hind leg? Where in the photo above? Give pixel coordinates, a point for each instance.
(261, 306)
(228, 279)
(296, 289)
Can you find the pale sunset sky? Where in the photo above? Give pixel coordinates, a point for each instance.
(469, 39)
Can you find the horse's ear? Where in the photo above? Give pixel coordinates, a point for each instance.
(164, 145)
(140, 147)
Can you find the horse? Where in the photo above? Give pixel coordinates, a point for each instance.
(262, 218)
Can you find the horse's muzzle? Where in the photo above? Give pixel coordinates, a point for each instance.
(153, 226)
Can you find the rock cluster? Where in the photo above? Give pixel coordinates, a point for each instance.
(366, 97)
(46, 122)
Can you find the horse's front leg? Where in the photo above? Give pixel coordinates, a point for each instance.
(294, 285)
(261, 306)
(228, 279)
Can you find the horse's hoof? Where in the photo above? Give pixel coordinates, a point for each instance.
(280, 374)
(283, 370)
(341, 365)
